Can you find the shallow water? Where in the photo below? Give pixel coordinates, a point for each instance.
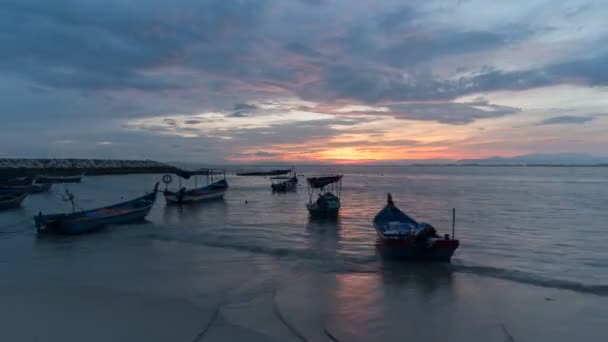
(519, 227)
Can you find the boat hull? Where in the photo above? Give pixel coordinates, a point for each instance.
(316, 211)
(175, 198)
(12, 201)
(284, 187)
(210, 192)
(82, 226)
(58, 179)
(92, 220)
(439, 250)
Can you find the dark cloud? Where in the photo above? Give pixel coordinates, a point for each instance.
(451, 113)
(192, 122)
(566, 120)
(118, 44)
(266, 154)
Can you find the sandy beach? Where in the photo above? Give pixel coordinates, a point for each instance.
(220, 295)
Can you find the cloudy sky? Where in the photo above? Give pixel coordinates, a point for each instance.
(302, 80)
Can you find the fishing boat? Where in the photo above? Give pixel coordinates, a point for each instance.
(10, 201)
(403, 237)
(214, 189)
(284, 183)
(85, 221)
(14, 181)
(43, 179)
(277, 172)
(328, 189)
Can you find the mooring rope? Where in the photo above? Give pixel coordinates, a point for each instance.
(283, 320)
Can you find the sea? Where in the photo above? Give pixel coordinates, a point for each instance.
(532, 263)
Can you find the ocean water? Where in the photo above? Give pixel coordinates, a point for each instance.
(520, 228)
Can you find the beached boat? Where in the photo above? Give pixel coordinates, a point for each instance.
(402, 236)
(214, 189)
(277, 172)
(43, 179)
(328, 190)
(284, 183)
(10, 201)
(90, 220)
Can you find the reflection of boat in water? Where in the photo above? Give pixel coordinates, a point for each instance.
(284, 183)
(327, 203)
(401, 236)
(44, 179)
(277, 172)
(10, 201)
(90, 220)
(213, 190)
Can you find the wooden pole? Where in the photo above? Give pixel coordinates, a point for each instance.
(453, 222)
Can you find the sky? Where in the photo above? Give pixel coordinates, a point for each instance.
(302, 81)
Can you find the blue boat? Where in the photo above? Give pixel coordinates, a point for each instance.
(10, 201)
(90, 220)
(403, 237)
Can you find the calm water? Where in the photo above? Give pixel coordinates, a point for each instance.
(545, 227)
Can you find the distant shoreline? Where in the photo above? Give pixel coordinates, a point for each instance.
(10, 167)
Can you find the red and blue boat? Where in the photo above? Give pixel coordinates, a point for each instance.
(91, 220)
(401, 236)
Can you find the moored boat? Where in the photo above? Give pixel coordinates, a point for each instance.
(277, 172)
(10, 201)
(15, 181)
(328, 190)
(90, 220)
(214, 189)
(284, 183)
(43, 179)
(403, 237)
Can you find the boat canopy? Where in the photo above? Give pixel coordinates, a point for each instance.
(322, 181)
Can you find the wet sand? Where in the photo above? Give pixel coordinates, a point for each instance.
(167, 291)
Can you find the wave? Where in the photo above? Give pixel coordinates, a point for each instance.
(532, 279)
(336, 262)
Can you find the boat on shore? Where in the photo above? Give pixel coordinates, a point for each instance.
(85, 221)
(284, 183)
(214, 189)
(403, 237)
(46, 179)
(277, 172)
(328, 189)
(11, 201)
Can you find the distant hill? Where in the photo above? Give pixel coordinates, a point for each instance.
(540, 159)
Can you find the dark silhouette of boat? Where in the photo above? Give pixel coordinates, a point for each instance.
(214, 189)
(284, 183)
(403, 237)
(328, 190)
(44, 179)
(277, 172)
(91, 220)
